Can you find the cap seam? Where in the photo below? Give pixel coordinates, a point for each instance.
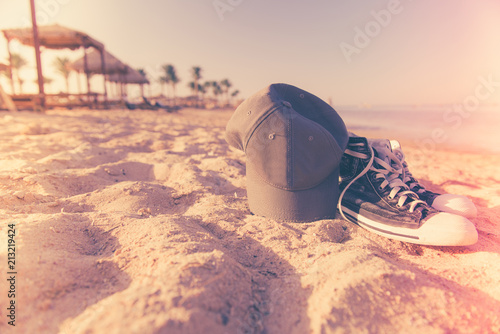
(264, 117)
(290, 155)
(336, 147)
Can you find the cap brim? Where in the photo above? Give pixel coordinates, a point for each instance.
(316, 203)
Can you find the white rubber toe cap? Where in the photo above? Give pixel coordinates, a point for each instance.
(446, 229)
(459, 205)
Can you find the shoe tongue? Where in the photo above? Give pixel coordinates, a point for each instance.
(382, 148)
(396, 148)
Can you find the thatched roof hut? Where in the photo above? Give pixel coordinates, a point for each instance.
(57, 37)
(113, 65)
(53, 37)
(116, 71)
(129, 76)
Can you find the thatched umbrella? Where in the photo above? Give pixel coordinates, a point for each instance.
(115, 69)
(129, 76)
(58, 37)
(113, 65)
(53, 36)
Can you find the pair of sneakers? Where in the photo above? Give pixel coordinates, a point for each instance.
(379, 193)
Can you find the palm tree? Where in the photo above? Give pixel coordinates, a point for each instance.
(235, 93)
(21, 83)
(62, 67)
(206, 86)
(46, 81)
(163, 81)
(143, 73)
(195, 87)
(171, 77)
(202, 89)
(196, 72)
(5, 72)
(17, 62)
(212, 84)
(216, 90)
(226, 84)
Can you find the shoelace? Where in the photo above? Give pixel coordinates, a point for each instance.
(408, 178)
(390, 175)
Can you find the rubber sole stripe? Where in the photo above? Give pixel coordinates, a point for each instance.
(367, 223)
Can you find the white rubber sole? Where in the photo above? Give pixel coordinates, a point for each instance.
(443, 229)
(456, 204)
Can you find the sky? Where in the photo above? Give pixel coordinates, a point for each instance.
(348, 52)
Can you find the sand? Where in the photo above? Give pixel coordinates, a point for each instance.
(137, 222)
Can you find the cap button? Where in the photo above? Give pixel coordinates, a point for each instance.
(286, 104)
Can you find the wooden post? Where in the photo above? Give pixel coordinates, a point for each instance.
(86, 69)
(121, 88)
(78, 83)
(125, 84)
(36, 44)
(103, 69)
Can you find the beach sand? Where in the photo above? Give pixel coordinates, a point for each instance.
(137, 222)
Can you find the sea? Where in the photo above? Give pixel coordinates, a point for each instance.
(436, 126)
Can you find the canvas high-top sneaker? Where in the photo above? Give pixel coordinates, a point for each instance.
(375, 197)
(451, 203)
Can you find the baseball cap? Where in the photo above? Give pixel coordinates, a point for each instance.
(293, 143)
